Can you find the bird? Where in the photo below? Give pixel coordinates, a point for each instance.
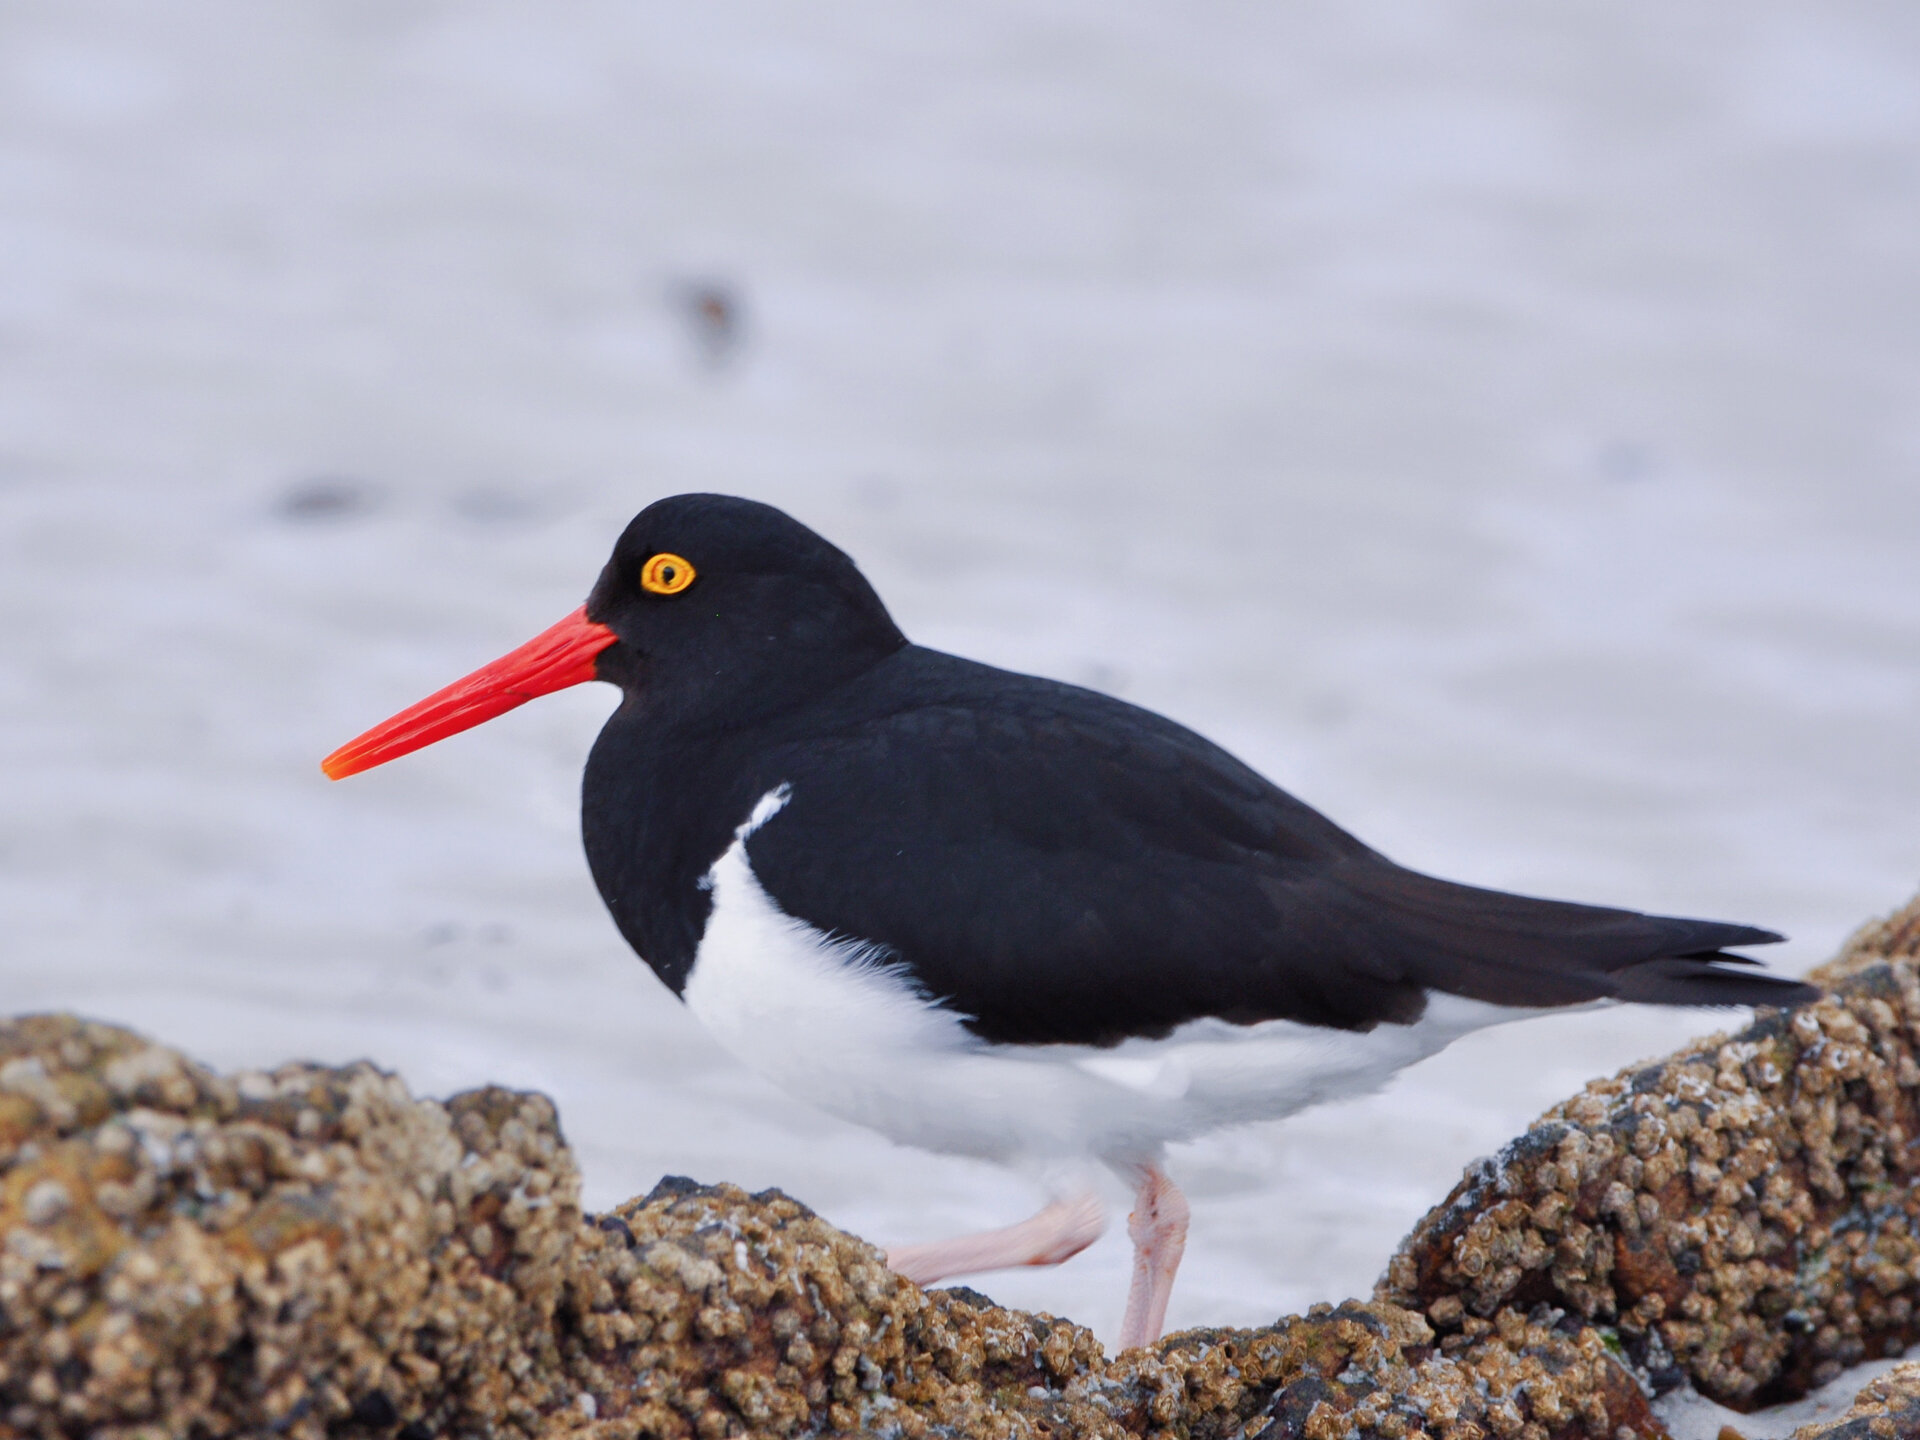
(1001, 916)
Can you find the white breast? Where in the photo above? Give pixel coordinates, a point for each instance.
(843, 1027)
(827, 1019)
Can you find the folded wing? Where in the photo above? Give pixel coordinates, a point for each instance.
(1061, 867)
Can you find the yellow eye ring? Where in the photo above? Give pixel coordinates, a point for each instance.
(666, 574)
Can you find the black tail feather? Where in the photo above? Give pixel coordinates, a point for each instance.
(1697, 980)
(1723, 957)
(1517, 950)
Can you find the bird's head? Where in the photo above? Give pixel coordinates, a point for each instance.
(712, 609)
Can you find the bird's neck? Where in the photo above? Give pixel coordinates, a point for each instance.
(677, 767)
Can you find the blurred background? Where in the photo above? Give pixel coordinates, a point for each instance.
(1495, 422)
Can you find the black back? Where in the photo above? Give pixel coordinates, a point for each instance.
(1054, 864)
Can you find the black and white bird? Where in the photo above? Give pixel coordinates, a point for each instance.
(1001, 916)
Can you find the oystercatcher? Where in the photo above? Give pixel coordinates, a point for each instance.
(1001, 916)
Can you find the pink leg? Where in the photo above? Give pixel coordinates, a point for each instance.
(1057, 1233)
(1158, 1226)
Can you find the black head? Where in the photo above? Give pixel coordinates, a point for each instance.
(727, 610)
(713, 613)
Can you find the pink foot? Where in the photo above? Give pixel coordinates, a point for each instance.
(1057, 1233)
(1158, 1226)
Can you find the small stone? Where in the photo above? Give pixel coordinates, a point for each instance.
(45, 1202)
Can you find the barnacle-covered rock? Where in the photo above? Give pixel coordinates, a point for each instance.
(1887, 1409)
(705, 1311)
(727, 1313)
(306, 1251)
(313, 1252)
(1742, 1215)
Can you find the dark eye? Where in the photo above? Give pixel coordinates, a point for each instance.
(666, 574)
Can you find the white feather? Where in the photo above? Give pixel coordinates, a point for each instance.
(840, 1025)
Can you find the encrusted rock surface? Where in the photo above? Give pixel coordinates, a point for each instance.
(1888, 1409)
(302, 1251)
(1742, 1215)
(313, 1252)
(730, 1311)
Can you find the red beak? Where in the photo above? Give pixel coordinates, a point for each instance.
(552, 660)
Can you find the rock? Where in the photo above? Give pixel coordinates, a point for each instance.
(1741, 1215)
(1888, 1409)
(730, 1311)
(314, 1252)
(306, 1251)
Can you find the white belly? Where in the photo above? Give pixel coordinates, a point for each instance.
(839, 1026)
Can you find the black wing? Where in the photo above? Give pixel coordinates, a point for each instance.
(1060, 866)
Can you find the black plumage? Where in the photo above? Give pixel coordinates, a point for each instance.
(1053, 864)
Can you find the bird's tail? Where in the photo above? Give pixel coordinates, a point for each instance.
(1516, 950)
